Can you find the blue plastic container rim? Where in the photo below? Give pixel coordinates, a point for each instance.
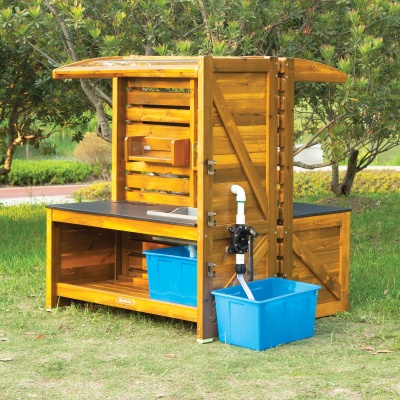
(181, 252)
(304, 287)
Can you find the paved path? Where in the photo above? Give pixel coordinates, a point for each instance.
(38, 194)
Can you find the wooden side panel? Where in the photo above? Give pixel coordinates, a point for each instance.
(160, 142)
(285, 165)
(321, 256)
(244, 149)
(86, 254)
(206, 320)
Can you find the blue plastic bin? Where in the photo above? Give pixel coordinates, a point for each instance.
(172, 275)
(283, 311)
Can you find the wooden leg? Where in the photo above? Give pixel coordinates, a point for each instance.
(53, 240)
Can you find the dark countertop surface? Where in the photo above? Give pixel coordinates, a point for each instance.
(122, 209)
(312, 210)
(129, 210)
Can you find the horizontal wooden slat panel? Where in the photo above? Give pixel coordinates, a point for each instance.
(231, 160)
(246, 131)
(82, 246)
(141, 166)
(150, 182)
(174, 99)
(85, 259)
(125, 295)
(242, 119)
(166, 131)
(317, 222)
(320, 233)
(162, 115)
(74, 234)
(157, 83)
(231, 64)
(158, 198)
(224, 146)
(92, 273)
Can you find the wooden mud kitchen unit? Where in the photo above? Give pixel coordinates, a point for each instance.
(185, 131)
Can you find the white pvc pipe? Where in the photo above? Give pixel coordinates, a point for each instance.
(245, 287)
(240, 199)
(241, 220)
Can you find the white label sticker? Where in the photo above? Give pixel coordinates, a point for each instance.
(122, 300)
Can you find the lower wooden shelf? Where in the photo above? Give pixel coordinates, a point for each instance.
(124, 295)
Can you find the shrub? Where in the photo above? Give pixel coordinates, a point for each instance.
(93, 150)
(45, 172)
(317, 183)
(96, 191)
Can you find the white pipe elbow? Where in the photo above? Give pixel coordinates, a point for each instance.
(240, 199)
(240, 193)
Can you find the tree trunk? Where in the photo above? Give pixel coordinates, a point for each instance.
(344, 187)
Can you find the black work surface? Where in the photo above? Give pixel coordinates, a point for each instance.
(122, 209)
(311, 210)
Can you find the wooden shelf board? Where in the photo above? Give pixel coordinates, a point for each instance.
(124, 295)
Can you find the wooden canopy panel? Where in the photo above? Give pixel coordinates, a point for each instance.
(120, 67)
(311, 71)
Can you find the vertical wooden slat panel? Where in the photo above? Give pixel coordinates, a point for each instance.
(271, 163)
(288, 167)
(118, 137)
(344, 259)
(206, 326)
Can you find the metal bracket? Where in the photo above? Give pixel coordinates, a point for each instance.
(210, 270)
(210, 221)
(210, 167)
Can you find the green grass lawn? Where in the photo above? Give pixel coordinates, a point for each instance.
(93, 352)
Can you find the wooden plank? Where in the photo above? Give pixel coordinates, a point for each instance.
(141, 166)
(344, 260)
(240, 148)
(172, 99)
(240, 64)
(286, 164)
(166, 184)
(90, 258)
(317, 267)
(206, 323)
(122, 67)
(113, 295)
(126, 224)
(311, 71)
(52, 260)
(157, 130)
(157, 83)
(158, 198)
(318, 221)
(271, 103)
(85, 273)
(164, 115)
(118, 136)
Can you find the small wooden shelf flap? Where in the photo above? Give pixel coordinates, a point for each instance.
(158, 150)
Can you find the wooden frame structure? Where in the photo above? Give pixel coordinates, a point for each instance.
(184, 130)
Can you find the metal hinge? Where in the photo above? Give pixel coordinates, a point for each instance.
(210, 270)
(210, 167)
(210, 221)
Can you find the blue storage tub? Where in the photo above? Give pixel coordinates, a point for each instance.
(172, 275)
(283, 311)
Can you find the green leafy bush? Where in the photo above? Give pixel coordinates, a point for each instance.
(49, 172)
(317, 183)
(96, 191)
